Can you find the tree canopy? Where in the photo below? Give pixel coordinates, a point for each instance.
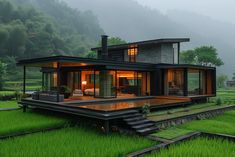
(38, 28)
(205, 55)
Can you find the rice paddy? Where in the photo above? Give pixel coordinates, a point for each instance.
(200, 147)
(73, 142)
(8, 104)
(16, 121)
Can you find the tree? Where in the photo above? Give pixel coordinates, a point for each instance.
(111, 41)
(205, 55)
(91, 54)
(115, 41)
(2, 72)
(233, 78)
(221, 81)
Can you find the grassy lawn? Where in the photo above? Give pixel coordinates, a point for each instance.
(73, 142)
(7, 92)
(172, 133)
(8, 104)
(201, 147)
(17, 121)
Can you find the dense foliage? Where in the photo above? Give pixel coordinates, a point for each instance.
(205, 55)
(38, 28)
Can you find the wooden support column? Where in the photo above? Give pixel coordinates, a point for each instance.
(106, 126)
(24, 80)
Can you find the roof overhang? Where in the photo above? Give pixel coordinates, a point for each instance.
(68, 61)
(148, 42)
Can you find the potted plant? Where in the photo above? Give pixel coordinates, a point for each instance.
(146, 109)
(66, 91)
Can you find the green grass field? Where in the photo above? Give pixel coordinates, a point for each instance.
(201, 147)
(17, 121)
(224, 124)
(172, 133)
(73, 142)
(8, 104)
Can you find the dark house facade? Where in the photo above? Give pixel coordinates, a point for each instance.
(147, 68)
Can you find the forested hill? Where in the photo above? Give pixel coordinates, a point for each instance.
(37, 28)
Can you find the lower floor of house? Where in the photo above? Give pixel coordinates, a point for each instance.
(91, 84)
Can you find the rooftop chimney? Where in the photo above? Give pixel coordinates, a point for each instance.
(104, 50)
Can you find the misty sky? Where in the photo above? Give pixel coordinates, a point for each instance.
(222, 10)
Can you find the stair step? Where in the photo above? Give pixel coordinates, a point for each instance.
(131, 115)
(147, 131)
(144, 121)
(142, 126)
(134, 119)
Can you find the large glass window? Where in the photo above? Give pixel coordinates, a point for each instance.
(74, 80)
(49, 81)
(105, 83)
(194, 83)
(132, 53)
(132, 83)
(175, 82)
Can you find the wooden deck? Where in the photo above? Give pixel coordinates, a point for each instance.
(106, 109)
(135, 104)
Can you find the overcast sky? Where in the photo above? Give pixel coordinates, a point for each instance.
(224, 10)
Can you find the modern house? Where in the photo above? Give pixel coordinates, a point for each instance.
(123, 78)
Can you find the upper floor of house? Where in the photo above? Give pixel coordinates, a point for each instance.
(152, 51)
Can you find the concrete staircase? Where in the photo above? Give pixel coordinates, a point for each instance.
(139, 124)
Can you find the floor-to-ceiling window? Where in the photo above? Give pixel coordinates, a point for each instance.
(132, 83)
(175, 82)
(49, 81)
(105, 81)
(196, 82)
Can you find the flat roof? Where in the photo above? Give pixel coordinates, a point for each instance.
(79, 61)
(146, 42)
(70, 61)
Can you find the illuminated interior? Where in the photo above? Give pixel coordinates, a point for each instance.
(175, 82)
(132, 53)
(103, 83)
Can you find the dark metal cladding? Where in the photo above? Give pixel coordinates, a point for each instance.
(104, 47)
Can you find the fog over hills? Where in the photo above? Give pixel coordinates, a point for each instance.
(133, 22)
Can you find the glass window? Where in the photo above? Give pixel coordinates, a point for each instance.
(175, 82)
(105, 83)
(194, 85)
(50, 81)
(132, 53)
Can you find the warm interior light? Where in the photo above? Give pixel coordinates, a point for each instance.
(84, 82)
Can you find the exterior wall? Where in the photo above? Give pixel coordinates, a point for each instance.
(149, 54)
(155, 54)
(167, 53)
